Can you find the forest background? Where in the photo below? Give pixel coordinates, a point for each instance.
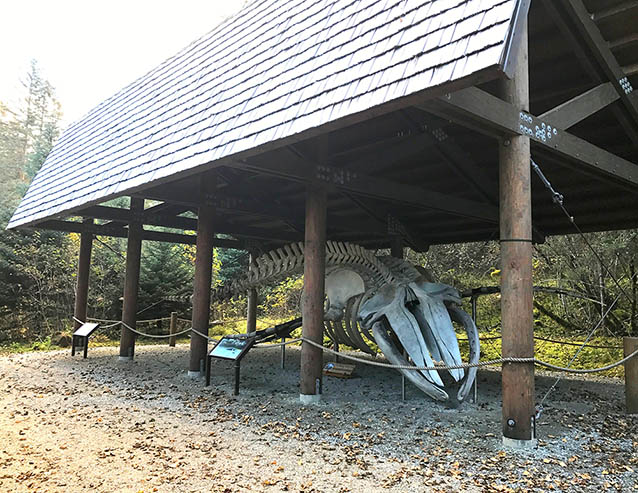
(38, 268)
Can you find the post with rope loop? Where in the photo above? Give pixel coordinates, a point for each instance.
(251, 309)
(131, 280)
(203, 275)
(631, 375)
(516, 264)
(313, 294)
(84, 269)
(173, 329)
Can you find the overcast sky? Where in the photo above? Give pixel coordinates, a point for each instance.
(89, 50)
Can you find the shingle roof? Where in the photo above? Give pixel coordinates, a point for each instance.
(274, 70)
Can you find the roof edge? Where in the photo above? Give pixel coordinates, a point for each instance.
(521, 11)
(484, 75)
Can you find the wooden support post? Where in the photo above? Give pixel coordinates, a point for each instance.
(173, 329)
(203, 276)
(396, 250)
(314, 286)
(631, 375)
(84, 269)
(516, 265)
(475, 320)
(396, 247)
(251, 311)
(132, 279)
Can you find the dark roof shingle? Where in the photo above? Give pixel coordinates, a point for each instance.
(274, 70)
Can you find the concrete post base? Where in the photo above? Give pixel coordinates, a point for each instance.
(309, 399)
(125, 358)
(194, 374)
(520, 444)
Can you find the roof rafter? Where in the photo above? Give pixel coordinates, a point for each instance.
(577, 109)
(345, 180)
(595, 56)
(500, 118)
(117, 232)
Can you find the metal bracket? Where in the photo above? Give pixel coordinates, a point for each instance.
(334, 176)
(626, 85)
(535, 128)
(439, 134)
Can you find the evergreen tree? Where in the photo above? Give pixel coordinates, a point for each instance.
(166, 270)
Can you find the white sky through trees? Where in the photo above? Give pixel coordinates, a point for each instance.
(90, 49)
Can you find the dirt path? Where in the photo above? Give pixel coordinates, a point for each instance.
(102, 425)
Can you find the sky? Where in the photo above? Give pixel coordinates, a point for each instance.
(89, 49)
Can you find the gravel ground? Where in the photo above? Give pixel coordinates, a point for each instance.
(103, 425)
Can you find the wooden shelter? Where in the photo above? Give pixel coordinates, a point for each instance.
(368, 121)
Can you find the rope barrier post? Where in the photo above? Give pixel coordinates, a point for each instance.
(314, 289)
(131, 280)
(203, 275)
(474, 319)
(631, 375)
(84, 269)
(173, 328)
(251, 302)
(237, 367)
(403, 381)
(515, 207)
(283, 353)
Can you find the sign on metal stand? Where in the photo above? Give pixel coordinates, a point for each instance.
(230, 348)
(81, 336)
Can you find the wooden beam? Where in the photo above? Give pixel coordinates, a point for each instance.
(599, 48)
(596, 57)
(631, 69)
(344, 180)
(117, 232)
(265, 207)
(184, 223)
(458, 160)
(498, 117)
(581, 107)
(383, 217)
(620, 9)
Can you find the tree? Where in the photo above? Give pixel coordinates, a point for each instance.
(35, 275)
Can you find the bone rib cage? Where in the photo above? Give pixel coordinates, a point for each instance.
(379, 274)
(289, 259)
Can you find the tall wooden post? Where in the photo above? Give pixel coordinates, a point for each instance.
(516, 266)
(631, 375)
(251, 310)
(84, 269)
(314, 287)
(131, 280)
(396, 247)
(203, 276)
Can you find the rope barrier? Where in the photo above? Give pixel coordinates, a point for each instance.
(578, 344)
(267, 345)
(468, 365)
(152, 320)
(401, 367)
(201, 334)
(155, 336)
(538, 338)
(103, 326)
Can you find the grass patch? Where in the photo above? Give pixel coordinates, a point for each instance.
(560, 354)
